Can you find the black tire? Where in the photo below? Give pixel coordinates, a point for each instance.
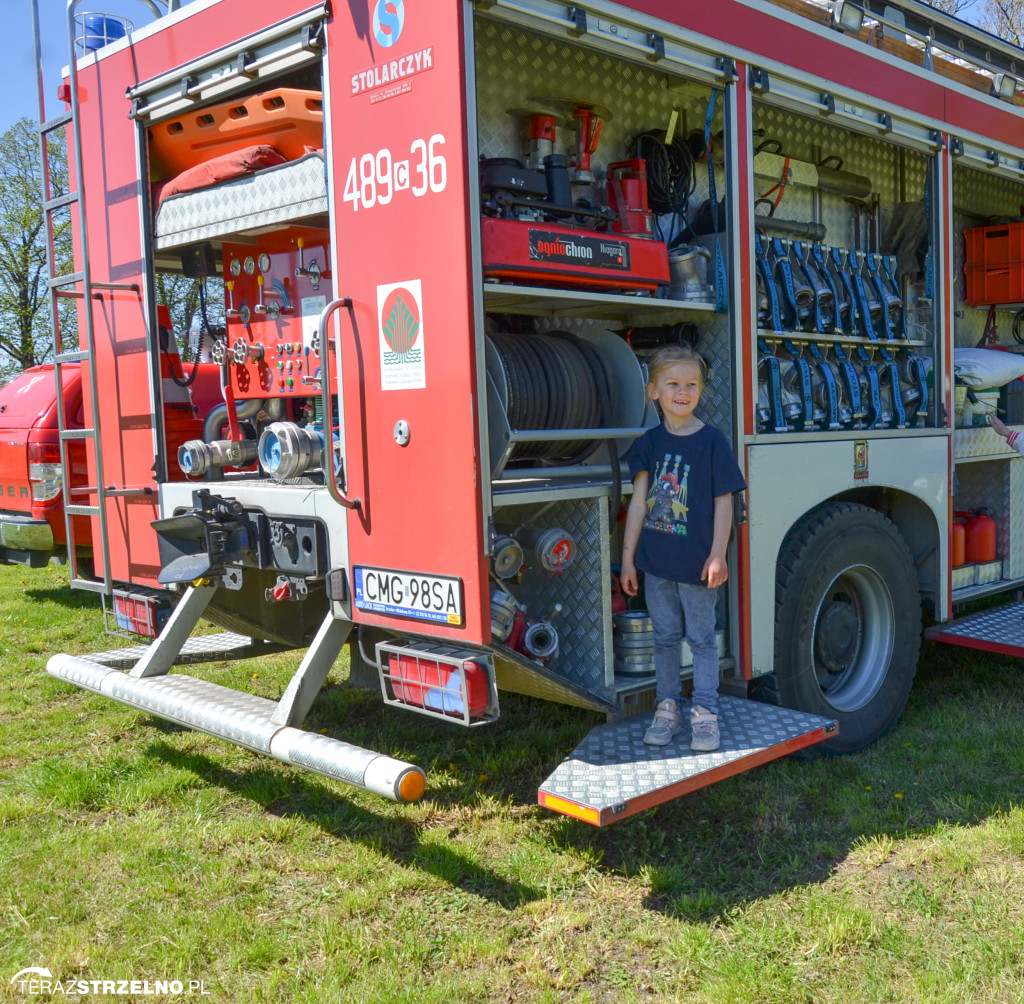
(847, 623)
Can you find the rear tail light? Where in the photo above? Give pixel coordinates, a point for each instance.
(44, 471)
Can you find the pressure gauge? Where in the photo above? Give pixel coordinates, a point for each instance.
(264, 263)
(244, 313)
(249, 264)
(235, 267)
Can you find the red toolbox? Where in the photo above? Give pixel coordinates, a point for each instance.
(546, 254)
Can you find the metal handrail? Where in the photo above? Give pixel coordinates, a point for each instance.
(327, 456)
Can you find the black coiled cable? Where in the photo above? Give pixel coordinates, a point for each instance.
(671, 179)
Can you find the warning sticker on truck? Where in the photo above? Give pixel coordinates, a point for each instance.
(436, 598)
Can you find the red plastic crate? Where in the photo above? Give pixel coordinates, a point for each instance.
(140, 613)
(994, 266)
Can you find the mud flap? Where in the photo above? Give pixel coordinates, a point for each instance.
(999, 629)
(612, 774)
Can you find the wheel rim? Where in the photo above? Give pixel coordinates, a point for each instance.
(854, 634)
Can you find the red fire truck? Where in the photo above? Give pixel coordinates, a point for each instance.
(448, 237)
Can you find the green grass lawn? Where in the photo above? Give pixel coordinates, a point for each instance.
(132, 849)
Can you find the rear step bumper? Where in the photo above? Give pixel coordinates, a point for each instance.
(246, 720)
(612, 774)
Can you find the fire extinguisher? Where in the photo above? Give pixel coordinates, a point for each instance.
(980, 544)
(958, 542)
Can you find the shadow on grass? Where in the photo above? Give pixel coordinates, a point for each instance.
(64, 596)
(956, 758)
(398, 838)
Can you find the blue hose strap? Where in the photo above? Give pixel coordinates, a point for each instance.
(720, 279)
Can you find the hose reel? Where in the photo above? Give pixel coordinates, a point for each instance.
(546, 383)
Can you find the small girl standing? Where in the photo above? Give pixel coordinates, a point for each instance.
(677, 529)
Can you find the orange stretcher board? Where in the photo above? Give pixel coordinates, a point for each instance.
(289, 119)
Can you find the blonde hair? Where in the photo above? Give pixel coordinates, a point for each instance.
(669, 355)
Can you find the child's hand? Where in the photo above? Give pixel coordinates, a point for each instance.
(628, 578)
(715, 572)
(998, 426)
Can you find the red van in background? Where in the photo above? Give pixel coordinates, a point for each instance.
(31, 482)
(31, 485)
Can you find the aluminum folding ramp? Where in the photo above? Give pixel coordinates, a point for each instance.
(1000, 629)
(613, 774)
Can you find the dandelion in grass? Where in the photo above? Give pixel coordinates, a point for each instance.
(897, 794)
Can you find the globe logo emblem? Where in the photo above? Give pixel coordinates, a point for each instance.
(388, 21)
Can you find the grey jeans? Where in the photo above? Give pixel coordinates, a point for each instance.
(670, 604)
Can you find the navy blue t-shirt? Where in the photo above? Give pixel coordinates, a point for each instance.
(685, 476)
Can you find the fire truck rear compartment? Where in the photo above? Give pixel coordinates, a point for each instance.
(832, 353)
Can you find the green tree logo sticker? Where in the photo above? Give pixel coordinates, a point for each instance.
(401, 325)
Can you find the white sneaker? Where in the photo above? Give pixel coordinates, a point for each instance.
(704, 729)
(667, 722)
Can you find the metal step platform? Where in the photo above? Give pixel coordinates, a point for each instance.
(1000, 629)
(225, 646)
(264, 726)
(612, 774)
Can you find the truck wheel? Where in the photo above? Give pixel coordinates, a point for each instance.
(847, 622)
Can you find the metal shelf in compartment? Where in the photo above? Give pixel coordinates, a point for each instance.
(281, 194)
(505, 298)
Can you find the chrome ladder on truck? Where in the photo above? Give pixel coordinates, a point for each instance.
(75, 285)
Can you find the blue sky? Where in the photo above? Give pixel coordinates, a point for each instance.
(17, 67)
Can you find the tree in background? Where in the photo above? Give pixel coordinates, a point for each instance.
(26, 329)
(25, 338)
(958, 8)
(1004, 18)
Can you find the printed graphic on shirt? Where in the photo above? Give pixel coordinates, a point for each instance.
(666, 498)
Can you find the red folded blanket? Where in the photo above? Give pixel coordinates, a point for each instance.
(210, 172)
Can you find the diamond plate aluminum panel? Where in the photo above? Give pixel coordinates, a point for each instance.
(996, 630)
(331, 757)
(287, 192)
(199, 704)
(812, 140)
(980, 441)
(985, 483)
(585, 623)
(613, 769)
(224, 646)
(522, 66)
(523, 69)
(1014, 566)
(516, 673)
